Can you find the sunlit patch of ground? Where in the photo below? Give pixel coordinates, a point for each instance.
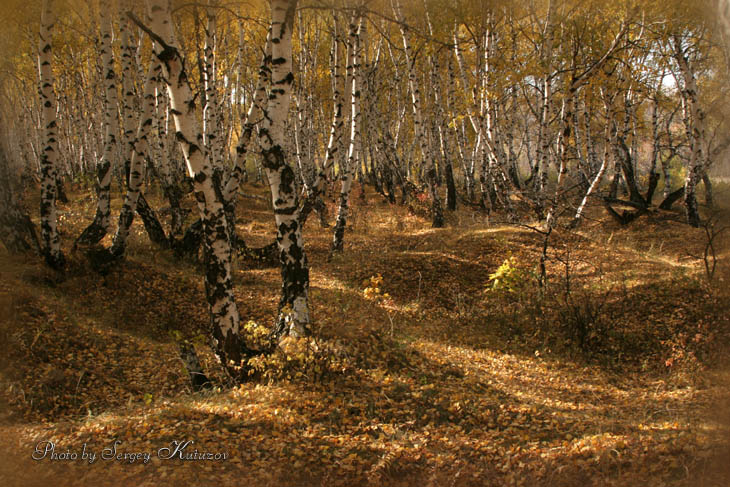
(422, 373)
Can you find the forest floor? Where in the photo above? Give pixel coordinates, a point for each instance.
(423, 371)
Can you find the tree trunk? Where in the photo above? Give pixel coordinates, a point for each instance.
(335, 139)
(228, 344)
(709, 201)
(17, 231)
(152, 224)
(418, 124)
(695, 127)
(347, 172)
(231, 188)
(139, 148)
(50, 240)
(102, 219)
(294, 304)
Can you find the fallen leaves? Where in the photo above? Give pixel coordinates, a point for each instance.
(412, 377)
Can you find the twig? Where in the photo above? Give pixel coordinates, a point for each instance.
(149, 32)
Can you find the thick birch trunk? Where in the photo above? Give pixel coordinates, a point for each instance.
(294, 304)
(225, 319)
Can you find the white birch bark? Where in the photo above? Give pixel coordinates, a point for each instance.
(575, 79)
(294, 317)
(224, 314)
(440, 122)
(139, 148)
(695, 124)
(211, 119)
(50, 240)
(129, 111)
(594, 184)
(253, 117)
(337, 127)
(102, 219)
(347, 172)
(418, 123)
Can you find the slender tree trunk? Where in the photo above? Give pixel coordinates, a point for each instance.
(104, 170)
(429, 168)
(139, 149)
(596, 181)
(167, 173)
(336, 131)
(211, 128)
(544, 132)
(443, 135)
(655, 151)
(347, 173)
(50, 240)
(696, 131)
(231, 188)
(129, 120)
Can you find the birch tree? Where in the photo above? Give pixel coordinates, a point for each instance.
(418, 122)
(225, 320)
(337, 128)
(293, 317)
(347, 170)
(101, 224)
(50, 240)
(139, 148)
(695, 126)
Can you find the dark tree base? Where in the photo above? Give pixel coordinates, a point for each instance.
(56, 263)
(189, 357)
(151, 223)
(91, 235)
(17, 231)
(189, 245)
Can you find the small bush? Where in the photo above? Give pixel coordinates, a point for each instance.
(509, 278)
(295, 358)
